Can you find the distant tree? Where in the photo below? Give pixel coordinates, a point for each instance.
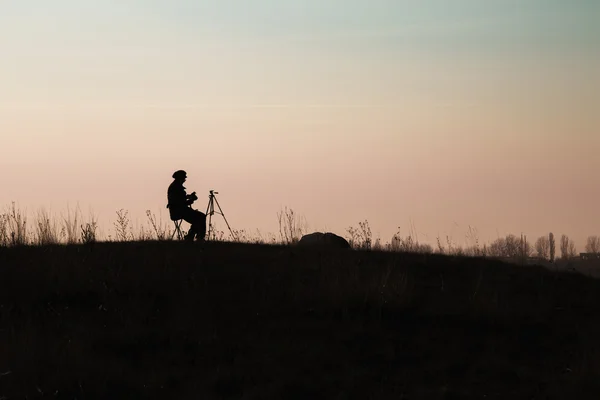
(513, 246)
(497, 248)
(564, 247)
(542, 247)
(593, 244)
(572, 250)
(552, 246)
(567, 248)
(525, 248)
(510, 246)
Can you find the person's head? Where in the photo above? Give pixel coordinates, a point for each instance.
(180, 175)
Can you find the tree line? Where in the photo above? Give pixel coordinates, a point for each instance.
(543, 248)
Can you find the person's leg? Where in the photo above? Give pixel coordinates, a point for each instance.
(199, 224)
(189, 216)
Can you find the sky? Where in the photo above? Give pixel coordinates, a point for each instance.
(423, 115)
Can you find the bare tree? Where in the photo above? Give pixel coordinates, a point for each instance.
(525, 249)
(552, 246)
(567, 248)
(510, 246)
(542, 247)
(513, 246)
(564, 247)
(497, 248)
(572, 253)
(593, 244)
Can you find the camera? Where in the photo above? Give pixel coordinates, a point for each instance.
(193, 196)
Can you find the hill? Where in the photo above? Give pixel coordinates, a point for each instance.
(169, 320)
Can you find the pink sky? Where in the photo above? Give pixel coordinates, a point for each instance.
(424, 124)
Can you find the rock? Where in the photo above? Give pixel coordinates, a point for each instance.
(327, 239)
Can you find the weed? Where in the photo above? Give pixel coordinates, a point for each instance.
(17, 226)
(291, 227)
(361, 237)
(46, 229)
(88, 230)
(122, 226)
(160, 231)
(4, 236)
(70, 224)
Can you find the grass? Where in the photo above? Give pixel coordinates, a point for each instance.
(73, 228)
(164, 319)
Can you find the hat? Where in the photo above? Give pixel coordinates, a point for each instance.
(181, 174)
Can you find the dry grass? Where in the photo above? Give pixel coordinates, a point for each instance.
(13, 231)
(73, 228)
(291, 226)
(47, 230)
(71, 225)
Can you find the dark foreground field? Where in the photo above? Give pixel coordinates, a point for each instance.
(165, 320)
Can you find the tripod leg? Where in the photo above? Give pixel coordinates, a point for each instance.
(210, 210)
(221, 212)
(209, 203)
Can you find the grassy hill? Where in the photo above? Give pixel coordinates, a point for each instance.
(230, 321)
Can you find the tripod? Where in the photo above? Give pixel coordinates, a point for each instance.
(210, 210)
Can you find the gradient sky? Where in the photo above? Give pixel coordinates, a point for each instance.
(439, 113)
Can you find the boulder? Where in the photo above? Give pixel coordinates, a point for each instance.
(327, 239)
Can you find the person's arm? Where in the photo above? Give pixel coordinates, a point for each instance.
(191, 198)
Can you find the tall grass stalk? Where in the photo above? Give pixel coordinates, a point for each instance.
(70, 225)
(123, 231)
(4, 241)
(410, 243)
(47, 231)
(161, 232)
(291, 226)
(17, 226)
(360, 238)
(89, 230)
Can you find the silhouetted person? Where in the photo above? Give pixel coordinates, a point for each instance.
(179, 205)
